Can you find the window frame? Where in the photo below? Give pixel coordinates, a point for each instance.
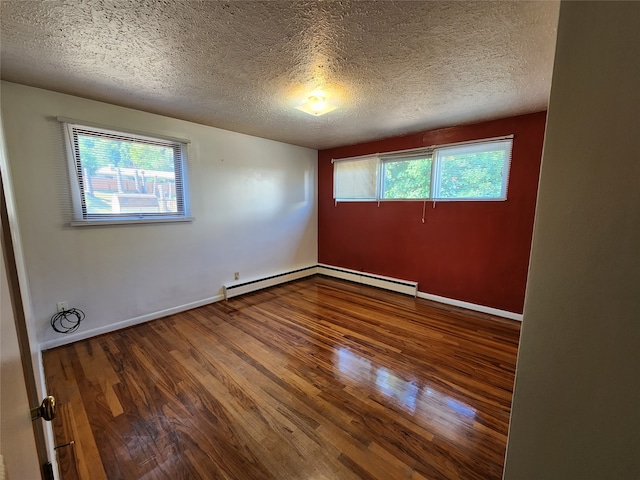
(436, 171)
(385, 159)
(74, 163)
(376, 180)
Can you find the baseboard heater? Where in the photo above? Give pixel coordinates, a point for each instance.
(246, 286)
(407, 287)
(388, 283)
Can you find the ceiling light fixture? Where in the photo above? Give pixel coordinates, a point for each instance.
(316, 105)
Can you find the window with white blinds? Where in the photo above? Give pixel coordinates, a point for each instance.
(468, 171)
(476, 171)
(119, 177)
(355, 179)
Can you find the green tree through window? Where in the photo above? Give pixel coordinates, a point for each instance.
(104, 152)
(407, 178)
(473, 175)
(466, 171)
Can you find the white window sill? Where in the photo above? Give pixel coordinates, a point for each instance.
(128, 221)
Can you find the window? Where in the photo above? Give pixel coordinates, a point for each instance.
(356, 179)
(122, 177)
(477, 171)
(406, 177)
(469, 171)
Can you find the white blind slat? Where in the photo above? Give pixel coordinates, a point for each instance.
(356, 179)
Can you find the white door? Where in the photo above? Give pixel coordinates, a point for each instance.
(17, 440)
(22, 442)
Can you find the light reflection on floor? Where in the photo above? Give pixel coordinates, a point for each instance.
(408, 394)
(393, 386)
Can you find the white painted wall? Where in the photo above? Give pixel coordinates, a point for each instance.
(254, 203)
(576, 408)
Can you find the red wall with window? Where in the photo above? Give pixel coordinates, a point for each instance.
(475, 252)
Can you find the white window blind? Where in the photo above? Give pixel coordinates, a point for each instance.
(355, 179)
(475, 171)
(119, 177)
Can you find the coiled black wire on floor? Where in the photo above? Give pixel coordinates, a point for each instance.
(67, 321)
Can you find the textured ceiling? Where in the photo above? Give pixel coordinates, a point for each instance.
(392, 67)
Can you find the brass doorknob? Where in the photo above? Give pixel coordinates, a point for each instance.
(46, 410)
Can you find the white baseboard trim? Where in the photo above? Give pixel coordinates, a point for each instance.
(128, 323)
(388, 283)
(471, 306)
(240, 287)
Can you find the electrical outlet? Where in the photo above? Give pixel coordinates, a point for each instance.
(62, 306)
(236, 276)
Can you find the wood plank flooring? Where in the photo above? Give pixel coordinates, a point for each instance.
(317, 379)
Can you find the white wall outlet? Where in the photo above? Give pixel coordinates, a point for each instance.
(236, 276)
(62, 306)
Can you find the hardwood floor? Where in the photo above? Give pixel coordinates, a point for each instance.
(315, 379)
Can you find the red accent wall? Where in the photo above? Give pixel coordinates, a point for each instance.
(476, 252)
